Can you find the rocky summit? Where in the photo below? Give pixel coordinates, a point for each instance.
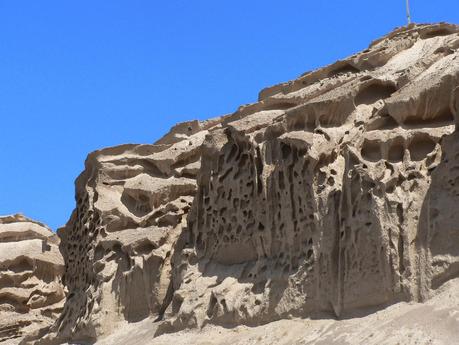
(324, 213)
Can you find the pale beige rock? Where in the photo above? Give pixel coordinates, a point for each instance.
(331, 196)
(31, 292)
(434, 323)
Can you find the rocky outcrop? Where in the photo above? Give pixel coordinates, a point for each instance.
(334, 193)
(31, 292)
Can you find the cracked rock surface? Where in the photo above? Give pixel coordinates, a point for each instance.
(334, 195)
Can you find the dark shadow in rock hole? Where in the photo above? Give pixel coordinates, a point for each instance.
(373, 92)
(341, 68)
(445, 117)
(137, 202)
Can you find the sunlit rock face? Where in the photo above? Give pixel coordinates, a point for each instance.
(31, 292)
(334, 193)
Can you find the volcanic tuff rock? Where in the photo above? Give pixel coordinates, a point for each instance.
(31, 293)
(432, 323)
(334, 194)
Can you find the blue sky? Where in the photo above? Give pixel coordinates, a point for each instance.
(76, 76)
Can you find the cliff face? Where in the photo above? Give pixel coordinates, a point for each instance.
(333, 193)
(31, 293)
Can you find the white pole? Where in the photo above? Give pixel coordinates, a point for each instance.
(408, 14)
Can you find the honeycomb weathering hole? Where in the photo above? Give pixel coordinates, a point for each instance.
(374, 92)
(371, 151)
(137, 203)
(327, 121)
(442, 118)
(279, 106)
(345, 68)
(438, 32)
(396, 151)
(383, 122)
(420, 147)
(24, 264)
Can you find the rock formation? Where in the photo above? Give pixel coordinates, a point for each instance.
(31, 293)
(334, 194)
(434, 322)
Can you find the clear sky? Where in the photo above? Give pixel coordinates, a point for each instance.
(76, 76)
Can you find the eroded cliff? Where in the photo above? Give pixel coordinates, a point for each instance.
(31, 292)
(333, 193)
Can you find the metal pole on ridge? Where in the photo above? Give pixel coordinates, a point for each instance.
(408, 14)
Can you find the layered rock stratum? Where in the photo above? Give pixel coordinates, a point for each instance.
(333, 196)
(31, 265)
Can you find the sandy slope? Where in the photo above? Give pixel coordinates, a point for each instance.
(436, 322)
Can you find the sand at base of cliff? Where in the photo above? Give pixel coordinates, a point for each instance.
(435, 323)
